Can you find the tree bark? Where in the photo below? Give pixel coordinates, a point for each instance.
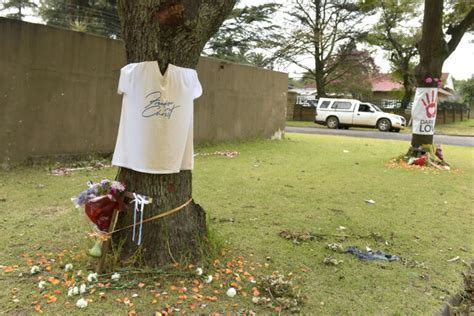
(169, 31)
(433, 53)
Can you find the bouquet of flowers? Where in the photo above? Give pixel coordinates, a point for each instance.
(99, 201)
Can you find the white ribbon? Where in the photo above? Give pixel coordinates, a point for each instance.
(140, 202)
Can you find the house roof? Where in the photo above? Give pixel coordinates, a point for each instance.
(385, 83)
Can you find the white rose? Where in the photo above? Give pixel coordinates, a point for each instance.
(81, 303)
(82, 289)
(35, 269)
(231, 292)
(75, 290)
(92, 277)
(115, 277)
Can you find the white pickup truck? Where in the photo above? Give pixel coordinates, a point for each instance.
(345, 113)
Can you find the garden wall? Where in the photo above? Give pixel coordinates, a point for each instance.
(58, 94)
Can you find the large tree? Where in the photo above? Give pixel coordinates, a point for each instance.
(435, 48)
(168, 31)
(396, 34)
(247, 36)
(323, 35)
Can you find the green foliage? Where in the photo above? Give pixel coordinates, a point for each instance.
(455, 11)
(327, 33)
(19, 6)
(397, 32)
(97, 16)
(466, 89)
(247, 35)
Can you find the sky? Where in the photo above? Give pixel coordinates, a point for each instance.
(460, 64)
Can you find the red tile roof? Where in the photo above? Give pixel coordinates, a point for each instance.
(385, 83)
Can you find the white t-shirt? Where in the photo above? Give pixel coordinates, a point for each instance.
(156, 125)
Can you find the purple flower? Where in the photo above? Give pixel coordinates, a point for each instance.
(428, 80)
(117, 186)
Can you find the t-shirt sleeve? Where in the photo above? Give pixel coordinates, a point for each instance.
(197, 88)
(125, 79)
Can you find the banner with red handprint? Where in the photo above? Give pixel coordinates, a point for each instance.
(423, 112)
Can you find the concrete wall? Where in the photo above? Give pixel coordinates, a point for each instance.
(58, 94)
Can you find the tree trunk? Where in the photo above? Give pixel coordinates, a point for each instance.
(408, 87)
(433, 52)
(318, 54)
(169, 31)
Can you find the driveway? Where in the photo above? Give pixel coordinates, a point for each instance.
(467, 141)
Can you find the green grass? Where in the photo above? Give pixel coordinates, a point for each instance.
(305, 183)
(457, 128)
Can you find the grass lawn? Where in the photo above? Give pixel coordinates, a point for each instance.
(457, 128)
(305, 183)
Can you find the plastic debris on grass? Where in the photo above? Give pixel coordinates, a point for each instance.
(278, 293)
(296, 237)
(332, 261)
(227, 153)
(371, 255)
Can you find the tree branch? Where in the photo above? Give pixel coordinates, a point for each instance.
(458, 31)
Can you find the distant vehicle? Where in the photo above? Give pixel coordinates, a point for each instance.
(345, 113)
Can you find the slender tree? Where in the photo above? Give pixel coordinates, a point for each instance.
(434, 47)
(168, 31)
(324, 32)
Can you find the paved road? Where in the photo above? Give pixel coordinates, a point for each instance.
(467, 141)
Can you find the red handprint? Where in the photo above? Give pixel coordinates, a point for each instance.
(430, 106)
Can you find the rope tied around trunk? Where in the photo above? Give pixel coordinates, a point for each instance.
(167, 213)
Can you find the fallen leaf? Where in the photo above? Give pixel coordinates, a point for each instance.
(38, 308)
(211, 298)
(53, 280)
(8, 269)
(141, 285)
